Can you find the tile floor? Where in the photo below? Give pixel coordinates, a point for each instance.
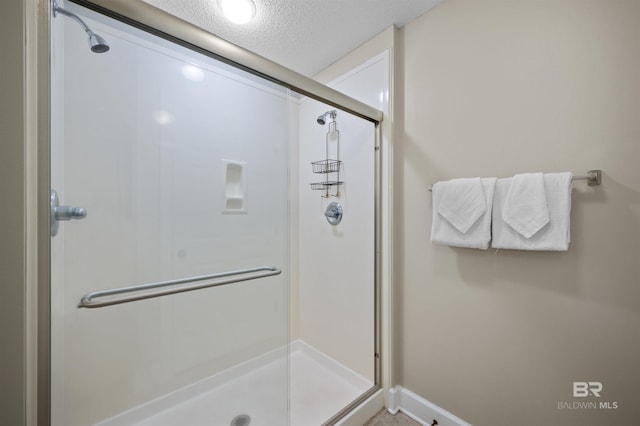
(383, 418)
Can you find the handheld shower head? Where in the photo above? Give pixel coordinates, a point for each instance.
(322, 119)
(97, 44)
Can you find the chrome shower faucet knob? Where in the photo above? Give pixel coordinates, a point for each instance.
(59, 213)
(334, 213)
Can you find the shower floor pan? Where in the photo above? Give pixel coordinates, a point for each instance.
(319, 388)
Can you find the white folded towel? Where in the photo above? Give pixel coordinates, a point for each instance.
(462, 212)
(525, 206)
(461, 202)
(554, 235)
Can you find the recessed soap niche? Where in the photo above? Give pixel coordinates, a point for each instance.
(235, 187)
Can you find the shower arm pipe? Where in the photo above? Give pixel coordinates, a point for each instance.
(197, 283)
(58, 9)
(156, 21)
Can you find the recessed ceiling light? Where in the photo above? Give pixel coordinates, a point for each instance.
(238, 11)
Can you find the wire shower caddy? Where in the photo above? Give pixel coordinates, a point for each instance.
(329, 167)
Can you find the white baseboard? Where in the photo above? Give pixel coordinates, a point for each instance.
(421, 410)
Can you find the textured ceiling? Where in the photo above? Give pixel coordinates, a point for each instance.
(304, 35)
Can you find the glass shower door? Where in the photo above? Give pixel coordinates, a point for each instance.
(181, 164)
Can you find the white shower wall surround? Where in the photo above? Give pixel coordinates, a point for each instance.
(336, 276)
(336, 263)
(143, 133)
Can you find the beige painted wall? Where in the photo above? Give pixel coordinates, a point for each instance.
(12, 260)
(494, 88)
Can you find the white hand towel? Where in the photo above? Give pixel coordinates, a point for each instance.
(461, 202)
(525, 206)
(478, 233)
(552, 236)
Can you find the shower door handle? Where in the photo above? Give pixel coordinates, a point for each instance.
(59, 213)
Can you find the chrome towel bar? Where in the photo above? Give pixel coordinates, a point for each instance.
(88, 301)
(593, 178)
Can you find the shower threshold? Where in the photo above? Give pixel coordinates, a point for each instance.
(319, 387)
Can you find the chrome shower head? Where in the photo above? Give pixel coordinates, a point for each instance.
(322, 119)
(97, 44)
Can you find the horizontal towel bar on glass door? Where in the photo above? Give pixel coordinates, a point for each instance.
(88, 301)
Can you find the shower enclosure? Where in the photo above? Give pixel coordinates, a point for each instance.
(182, 287)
